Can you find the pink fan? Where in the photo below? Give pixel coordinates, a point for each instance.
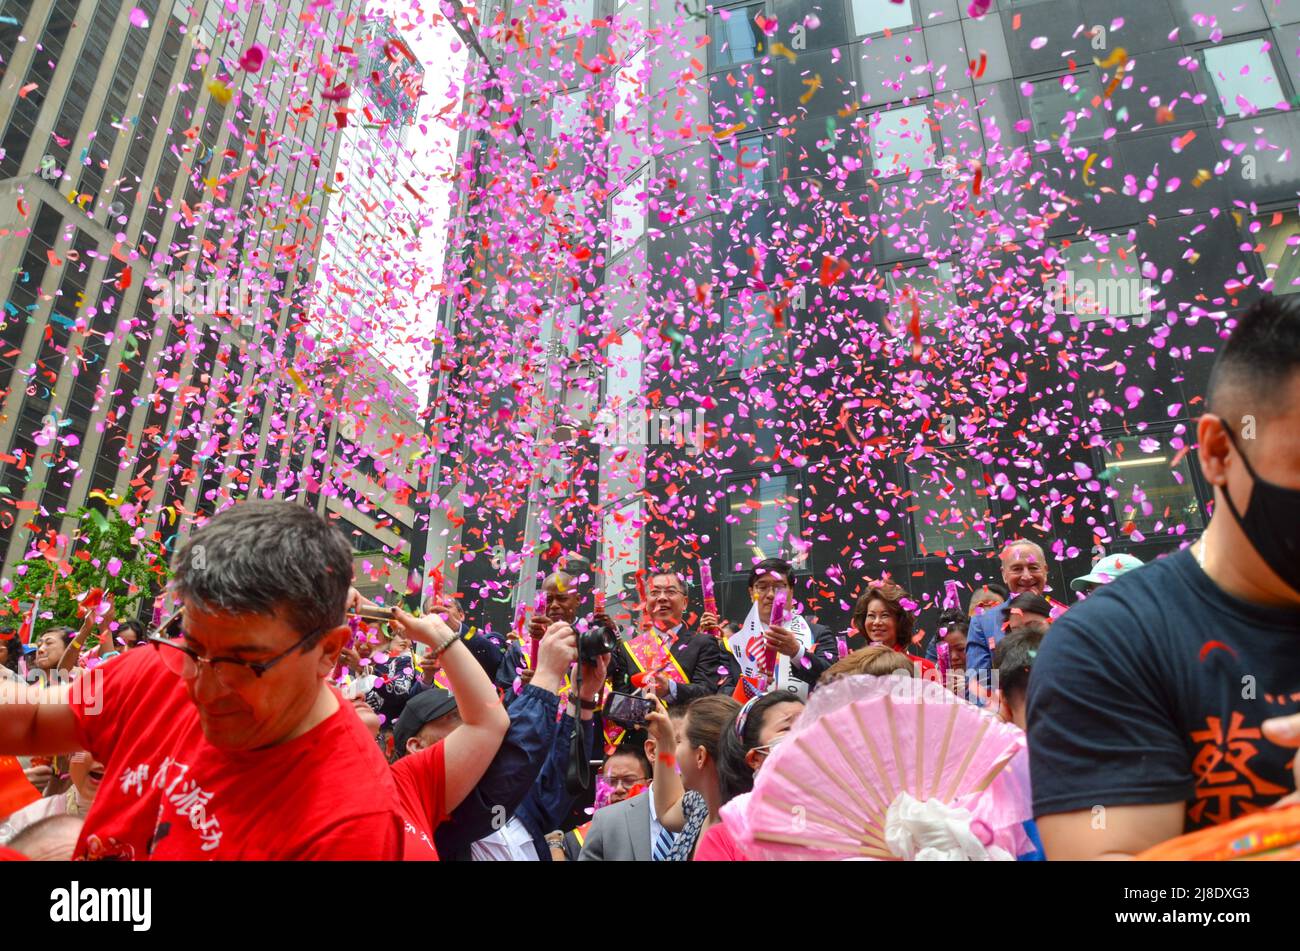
(889, 768)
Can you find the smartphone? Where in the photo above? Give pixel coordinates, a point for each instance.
(627, 710)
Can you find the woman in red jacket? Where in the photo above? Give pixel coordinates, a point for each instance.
(883, 616)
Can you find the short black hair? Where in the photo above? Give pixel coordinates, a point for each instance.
(658, 570)
(637, 753)
(135, 627)
(1031, 603)
(998, 588)
(1260, 357)
(954, 619)
(1013, 658)
(269, 558)
(769, 566)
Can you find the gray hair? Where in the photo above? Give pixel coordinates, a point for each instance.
(268, 558)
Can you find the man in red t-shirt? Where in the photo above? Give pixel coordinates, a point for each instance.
(226, 742)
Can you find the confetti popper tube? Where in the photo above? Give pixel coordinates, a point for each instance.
(778, 617)
(951, 595)
(941, 655)
(539, 609)
(778, 609)
(706, 588)
(598, 596)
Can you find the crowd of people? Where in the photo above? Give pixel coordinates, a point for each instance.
(279, 714)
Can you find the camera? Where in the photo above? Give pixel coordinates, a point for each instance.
(595, 639)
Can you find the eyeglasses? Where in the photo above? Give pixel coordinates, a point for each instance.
(232, 673)
(623, 782)
(663, 592)
(762, 588)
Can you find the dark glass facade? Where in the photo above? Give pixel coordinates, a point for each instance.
(850, 132)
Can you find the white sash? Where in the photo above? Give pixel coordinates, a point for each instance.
(748, 647)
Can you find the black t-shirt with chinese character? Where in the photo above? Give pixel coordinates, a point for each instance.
(1153, 691)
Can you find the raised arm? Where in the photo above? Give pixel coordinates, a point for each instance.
(468, 751)
(550, 802)
(36, 720)
(668, 789)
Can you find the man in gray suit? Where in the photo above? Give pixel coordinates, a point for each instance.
(628, 831)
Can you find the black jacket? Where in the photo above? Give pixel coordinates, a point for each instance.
(701, 657)
(824, 652)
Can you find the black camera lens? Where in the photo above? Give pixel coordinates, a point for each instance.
(597, 640)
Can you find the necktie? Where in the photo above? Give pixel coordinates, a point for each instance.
(662, 846)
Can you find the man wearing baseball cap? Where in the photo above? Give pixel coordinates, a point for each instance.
(1106, 570)
(427, 718)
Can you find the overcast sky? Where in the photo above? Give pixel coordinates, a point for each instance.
(432, 143)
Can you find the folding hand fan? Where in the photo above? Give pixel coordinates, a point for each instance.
(889, 768)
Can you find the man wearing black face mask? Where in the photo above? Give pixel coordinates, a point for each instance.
(1154, 705)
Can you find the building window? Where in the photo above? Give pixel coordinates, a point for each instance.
(577, 13)
(568, 111)
(750, 317)
(1244, 77)
(876, 16)
(933, 288)
(762, 520)
(1098, 278)
(744, 163)
(1276, 239)
(1150, 488)
(1064, 106)
(627, 215)
(629, 90)
(623, 375)
(737, 36)
(901, 141)
(620, 554)
(951, 505)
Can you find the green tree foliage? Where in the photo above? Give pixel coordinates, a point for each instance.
(103, 543)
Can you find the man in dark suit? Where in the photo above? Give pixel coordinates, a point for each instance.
(766, 579)
(700, 656)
